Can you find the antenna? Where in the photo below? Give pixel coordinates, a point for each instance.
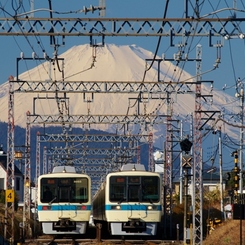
(32, 8)
(102, 8)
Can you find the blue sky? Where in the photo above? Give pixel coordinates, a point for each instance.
(232, 53)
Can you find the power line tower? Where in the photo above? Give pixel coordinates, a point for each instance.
(10, 185)
(151, 166)
(197, 165)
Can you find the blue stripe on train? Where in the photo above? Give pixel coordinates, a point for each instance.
(63, 207)
(133, 207)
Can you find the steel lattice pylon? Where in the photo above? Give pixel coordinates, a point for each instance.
(37, 158)
(138, 154)
(27, 183)
(168, 182)
(168, 164)
(197, 165)
(45, 160)
(9, 206)
(151, 165)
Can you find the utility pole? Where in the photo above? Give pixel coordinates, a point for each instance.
(221, 177)
(239, 171)
(181, 169)
(241, 140)
(185, 203)
(240, 95)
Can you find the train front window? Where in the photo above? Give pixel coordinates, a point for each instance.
(134, 193)
(80, 193)
(48, 189)
(64, 190)
(134, 189)
(117, 189)
(150, 188)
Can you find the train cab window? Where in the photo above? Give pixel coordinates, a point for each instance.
(64, 194)
(133, 193)
(134, 187)
(80, 190)
(65, 190)
(117, 189)
(151, 189)
(47, 195)
(80, 195)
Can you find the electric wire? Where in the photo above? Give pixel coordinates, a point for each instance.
(154, 57)
(230, 50)
(183, 63)
(37, 60)
(18, 7)
(28, 42)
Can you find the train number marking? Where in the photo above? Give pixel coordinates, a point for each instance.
(9, 196)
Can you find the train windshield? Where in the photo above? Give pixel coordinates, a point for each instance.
(70, 190)
(134, 189)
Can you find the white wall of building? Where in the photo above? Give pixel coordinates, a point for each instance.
(18, 181)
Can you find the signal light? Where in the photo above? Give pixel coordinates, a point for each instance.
(236, 179)
(236, 170)
(185, 145)
(228, 176)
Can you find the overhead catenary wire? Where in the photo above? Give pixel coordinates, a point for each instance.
(154, 56)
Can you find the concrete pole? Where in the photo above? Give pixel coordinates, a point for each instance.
(241, 158)
(185, 203)
(221, 177)
(241, 139)
(181, 169)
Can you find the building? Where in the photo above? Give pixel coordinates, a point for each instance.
(18, 176)
(211, 181)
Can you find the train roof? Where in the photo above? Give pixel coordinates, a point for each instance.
(133, 167)
(64, 169)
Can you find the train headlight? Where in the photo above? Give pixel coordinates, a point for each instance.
(116, 207)
(152, 207)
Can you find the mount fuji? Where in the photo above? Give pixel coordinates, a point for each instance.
(118, 63)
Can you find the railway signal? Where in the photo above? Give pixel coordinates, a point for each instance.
(236, 171)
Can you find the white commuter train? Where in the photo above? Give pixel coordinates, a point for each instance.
(129, 202)
(64, 201)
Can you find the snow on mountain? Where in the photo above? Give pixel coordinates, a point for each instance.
(108, 63)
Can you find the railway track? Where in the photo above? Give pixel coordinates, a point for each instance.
(65, 241)
(93, 237)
